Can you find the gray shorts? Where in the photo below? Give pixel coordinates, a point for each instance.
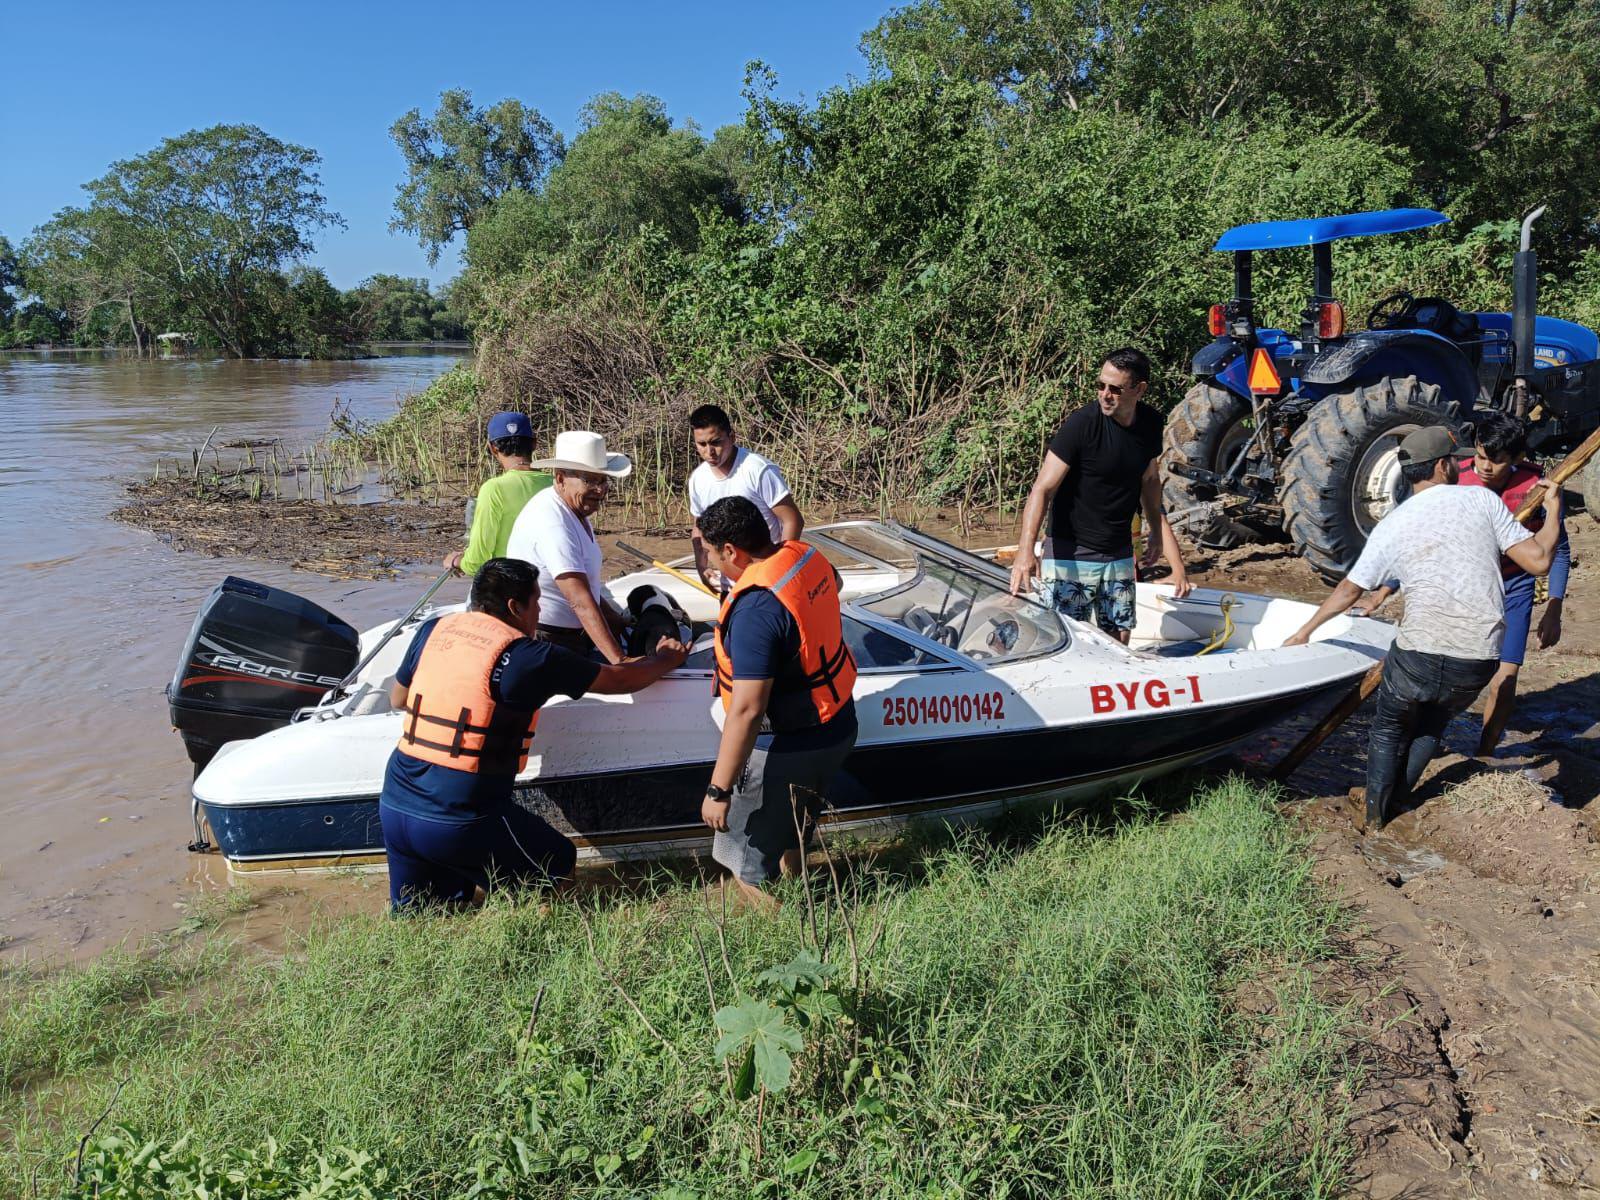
(761, 815)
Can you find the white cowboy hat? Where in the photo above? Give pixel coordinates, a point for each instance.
(580, 450)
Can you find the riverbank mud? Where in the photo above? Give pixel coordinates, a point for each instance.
(1475, 979)
(340, 541)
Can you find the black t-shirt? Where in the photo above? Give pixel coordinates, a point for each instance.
(1092, 515)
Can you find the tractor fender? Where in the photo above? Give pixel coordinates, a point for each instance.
(1394, 354)
(1214, 357)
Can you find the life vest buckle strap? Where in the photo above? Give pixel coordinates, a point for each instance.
(463, 723)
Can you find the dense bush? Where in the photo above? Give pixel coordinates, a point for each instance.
(922, 267)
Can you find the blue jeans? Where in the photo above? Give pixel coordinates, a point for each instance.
(1418, 696)
(1519, 618)
(442, 862)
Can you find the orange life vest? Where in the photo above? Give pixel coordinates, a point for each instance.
(451, 719)
(818, 686)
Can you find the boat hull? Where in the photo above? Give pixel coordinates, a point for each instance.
(654, 812)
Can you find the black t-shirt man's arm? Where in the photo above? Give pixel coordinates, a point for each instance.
(1159, 537)
(1025, 566)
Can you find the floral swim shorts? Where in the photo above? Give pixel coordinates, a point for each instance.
(1101, 592)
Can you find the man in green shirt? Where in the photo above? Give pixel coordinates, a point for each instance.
(500, 499)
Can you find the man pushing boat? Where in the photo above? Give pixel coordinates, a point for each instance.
(784, 678)
(470, 688)
(1101, 467)
(1443, 544)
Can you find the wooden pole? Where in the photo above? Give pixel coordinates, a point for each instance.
(1337, 716)
(1566, 469)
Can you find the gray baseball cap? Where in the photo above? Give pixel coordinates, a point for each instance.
(1428, 444)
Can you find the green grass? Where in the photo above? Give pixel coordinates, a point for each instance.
(1050, 1012)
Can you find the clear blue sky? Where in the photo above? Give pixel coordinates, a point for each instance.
(89, 83)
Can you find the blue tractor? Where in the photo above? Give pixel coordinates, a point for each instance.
(1296, 433)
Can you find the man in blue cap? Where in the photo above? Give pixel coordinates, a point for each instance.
(501, 498)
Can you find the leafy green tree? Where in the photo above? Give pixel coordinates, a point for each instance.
(389, 308)
(1495, 101)
(84, 261)
(35, 322)
(322, 320)
(448, 322)
(462, 159)
(516, 229)
(630, 166)
(201, 226)
(10, 277)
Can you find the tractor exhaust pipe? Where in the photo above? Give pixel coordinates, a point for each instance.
(1525, 303)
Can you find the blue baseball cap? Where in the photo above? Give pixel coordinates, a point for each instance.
(509, 424)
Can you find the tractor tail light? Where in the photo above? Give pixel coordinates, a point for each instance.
(1330, 320)
(1219, 320)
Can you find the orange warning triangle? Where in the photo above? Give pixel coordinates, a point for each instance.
(1264, 373)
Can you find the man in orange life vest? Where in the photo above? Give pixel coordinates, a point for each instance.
(784, 678)
(470, 687)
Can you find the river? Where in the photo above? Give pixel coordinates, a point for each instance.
(94, 804)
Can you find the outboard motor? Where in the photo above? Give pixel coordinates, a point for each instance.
(655, 615)
(256, 654)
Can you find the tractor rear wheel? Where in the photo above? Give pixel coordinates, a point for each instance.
(1342, 473)
(1207, 430)
(1588, 482)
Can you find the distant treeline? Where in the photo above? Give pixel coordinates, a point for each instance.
(203, 236)
(900, 285)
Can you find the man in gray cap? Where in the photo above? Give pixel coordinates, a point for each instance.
(1443, 544)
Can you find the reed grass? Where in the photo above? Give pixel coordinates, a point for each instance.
(1045, 1010)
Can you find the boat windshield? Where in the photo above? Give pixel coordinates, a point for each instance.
(945, 594)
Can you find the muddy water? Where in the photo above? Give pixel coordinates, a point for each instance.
(93, 783)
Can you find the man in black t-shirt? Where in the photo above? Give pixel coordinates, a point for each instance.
(1099, 470)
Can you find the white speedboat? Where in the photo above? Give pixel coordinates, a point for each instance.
(969, 700)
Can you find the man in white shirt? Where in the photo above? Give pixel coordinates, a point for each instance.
(1444, 545)
(554, 534)
(728, 469)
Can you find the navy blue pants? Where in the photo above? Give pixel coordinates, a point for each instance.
(443, 861)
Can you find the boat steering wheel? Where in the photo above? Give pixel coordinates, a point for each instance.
(920, 620)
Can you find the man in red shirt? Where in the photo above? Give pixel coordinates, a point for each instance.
(1501, 440)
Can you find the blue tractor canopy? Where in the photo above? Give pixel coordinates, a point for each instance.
(1318, 231)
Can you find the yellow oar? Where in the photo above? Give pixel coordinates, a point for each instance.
(691, 580)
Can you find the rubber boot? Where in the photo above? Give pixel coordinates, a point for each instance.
(1375, 816)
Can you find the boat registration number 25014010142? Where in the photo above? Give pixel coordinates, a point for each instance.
(1145, 693)
(1130, 696)
(944, 710)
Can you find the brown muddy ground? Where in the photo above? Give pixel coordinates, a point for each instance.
(1476, 974)
(341, 541)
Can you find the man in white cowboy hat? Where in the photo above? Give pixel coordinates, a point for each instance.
(553, 533)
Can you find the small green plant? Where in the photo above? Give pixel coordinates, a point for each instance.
(121, 1165)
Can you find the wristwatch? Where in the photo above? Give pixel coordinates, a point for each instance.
(720, 794)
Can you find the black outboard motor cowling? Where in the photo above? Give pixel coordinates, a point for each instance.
(256, 654)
